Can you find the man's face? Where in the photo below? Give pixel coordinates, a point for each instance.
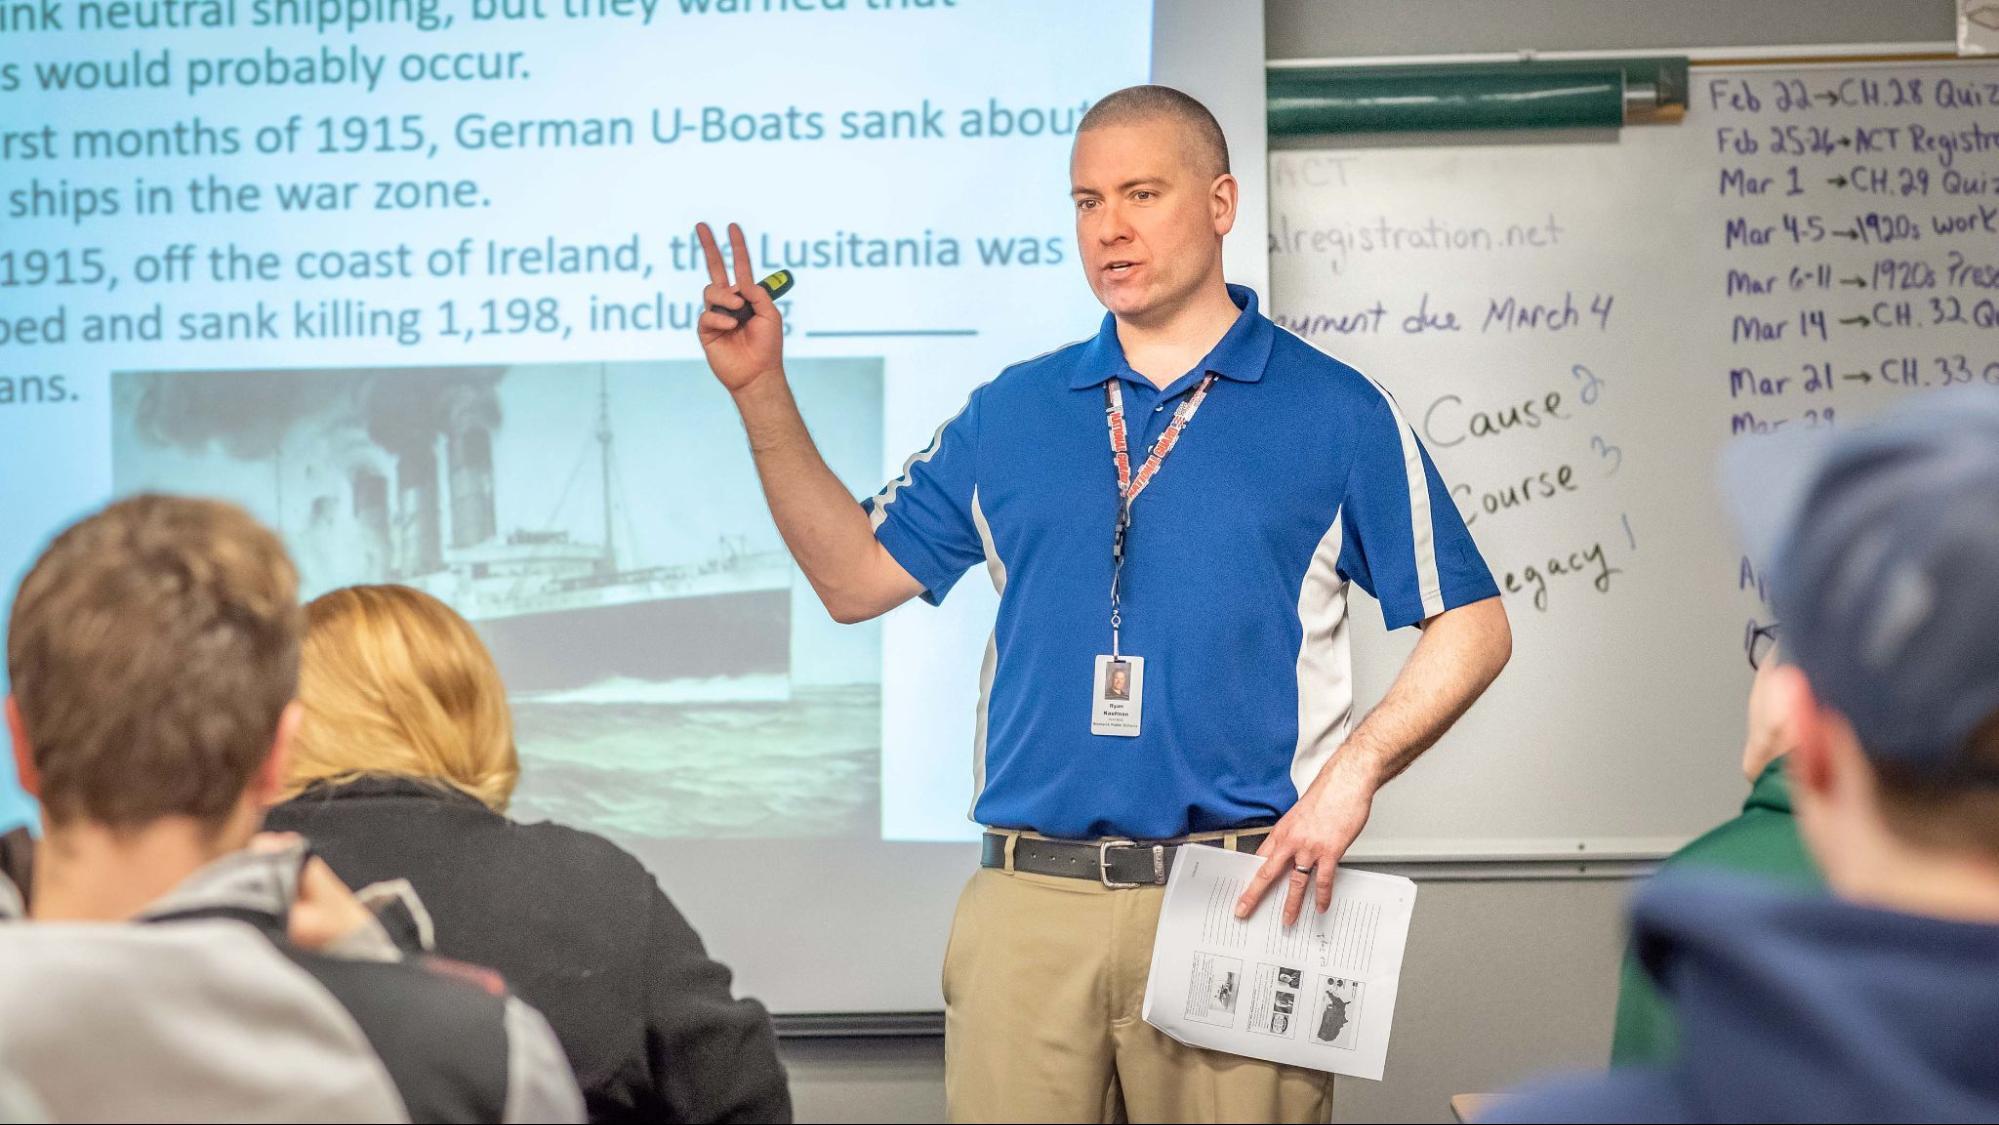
(1118, 681)
(1149, 216)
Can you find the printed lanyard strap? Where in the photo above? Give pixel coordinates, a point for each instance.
(1129, 486)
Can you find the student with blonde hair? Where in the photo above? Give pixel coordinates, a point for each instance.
(403, 768)
(396, 684)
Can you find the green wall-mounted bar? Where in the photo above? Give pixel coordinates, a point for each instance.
(1520, 95)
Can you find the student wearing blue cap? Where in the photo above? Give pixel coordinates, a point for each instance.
(1880, 1002)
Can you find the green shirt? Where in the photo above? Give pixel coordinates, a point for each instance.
(1763, 840)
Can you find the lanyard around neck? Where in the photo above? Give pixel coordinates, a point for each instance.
(1130, 485)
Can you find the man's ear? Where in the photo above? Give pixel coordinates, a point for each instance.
(1809, 764)
(1222, 198)
(268, 784)
(24, 755)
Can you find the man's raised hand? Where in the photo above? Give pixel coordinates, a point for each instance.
(739, 352)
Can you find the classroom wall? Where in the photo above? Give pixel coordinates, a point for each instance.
(1505, 976)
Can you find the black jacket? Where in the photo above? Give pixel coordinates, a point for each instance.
(579, 929)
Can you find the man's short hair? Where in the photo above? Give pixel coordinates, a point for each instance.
(1137, 104)
(1944, 813)
(153, 648)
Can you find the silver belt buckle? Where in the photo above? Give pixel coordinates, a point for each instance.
(1104, 863)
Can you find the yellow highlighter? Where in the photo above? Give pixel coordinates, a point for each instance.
(777, 285)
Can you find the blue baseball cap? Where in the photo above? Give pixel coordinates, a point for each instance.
(1882, 548)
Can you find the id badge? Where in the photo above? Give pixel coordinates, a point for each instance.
(1117, 696)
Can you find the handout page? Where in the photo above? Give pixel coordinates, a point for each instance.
(1319, 993)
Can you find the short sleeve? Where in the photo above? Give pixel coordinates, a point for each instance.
(1403, 539)
(924, 517)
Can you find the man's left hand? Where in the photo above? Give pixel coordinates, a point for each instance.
(1306, 846)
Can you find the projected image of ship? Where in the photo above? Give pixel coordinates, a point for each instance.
(603, 527)
(567, 621)
(584, 593)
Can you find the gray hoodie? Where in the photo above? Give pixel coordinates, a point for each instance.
(200, 1010)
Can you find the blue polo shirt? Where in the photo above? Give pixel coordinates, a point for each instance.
(1298, 476)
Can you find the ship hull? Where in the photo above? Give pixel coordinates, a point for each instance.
(747, 633)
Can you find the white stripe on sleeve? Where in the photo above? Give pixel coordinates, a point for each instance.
(1429, 585)
(887, 495)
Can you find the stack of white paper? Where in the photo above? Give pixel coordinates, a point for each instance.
(1319, 994)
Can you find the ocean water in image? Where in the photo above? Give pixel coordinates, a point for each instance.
(808, 766)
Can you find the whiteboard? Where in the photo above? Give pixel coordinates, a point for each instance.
(1576, 328)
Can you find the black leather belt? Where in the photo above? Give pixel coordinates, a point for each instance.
(1115, 863)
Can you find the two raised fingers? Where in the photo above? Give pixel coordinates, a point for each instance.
(721, 292)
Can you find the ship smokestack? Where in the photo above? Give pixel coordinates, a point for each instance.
(419, 530)
(371, 516)
(470, 415)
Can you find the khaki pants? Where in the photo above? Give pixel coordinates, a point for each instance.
(1043, 981)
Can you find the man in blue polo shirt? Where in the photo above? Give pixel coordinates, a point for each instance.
(1171, 512)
